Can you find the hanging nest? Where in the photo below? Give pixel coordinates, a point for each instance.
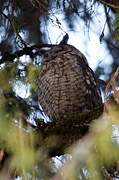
(69, 92)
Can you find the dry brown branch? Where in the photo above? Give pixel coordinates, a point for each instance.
(113, 3)
(112, 84)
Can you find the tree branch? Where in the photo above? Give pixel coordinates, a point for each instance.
(113, 5)
(8, 57)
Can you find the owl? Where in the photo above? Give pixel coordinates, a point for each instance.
(68, 88)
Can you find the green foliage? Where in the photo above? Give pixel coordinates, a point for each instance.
(116, 26)
(93, 155)
(7, 75)
(21, 145)
(33, 75)
(25, 146)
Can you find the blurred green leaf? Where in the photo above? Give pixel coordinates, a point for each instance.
(33, 75)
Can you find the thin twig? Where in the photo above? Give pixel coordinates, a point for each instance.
(13, 27)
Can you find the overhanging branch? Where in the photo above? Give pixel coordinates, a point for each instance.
(9, 57)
